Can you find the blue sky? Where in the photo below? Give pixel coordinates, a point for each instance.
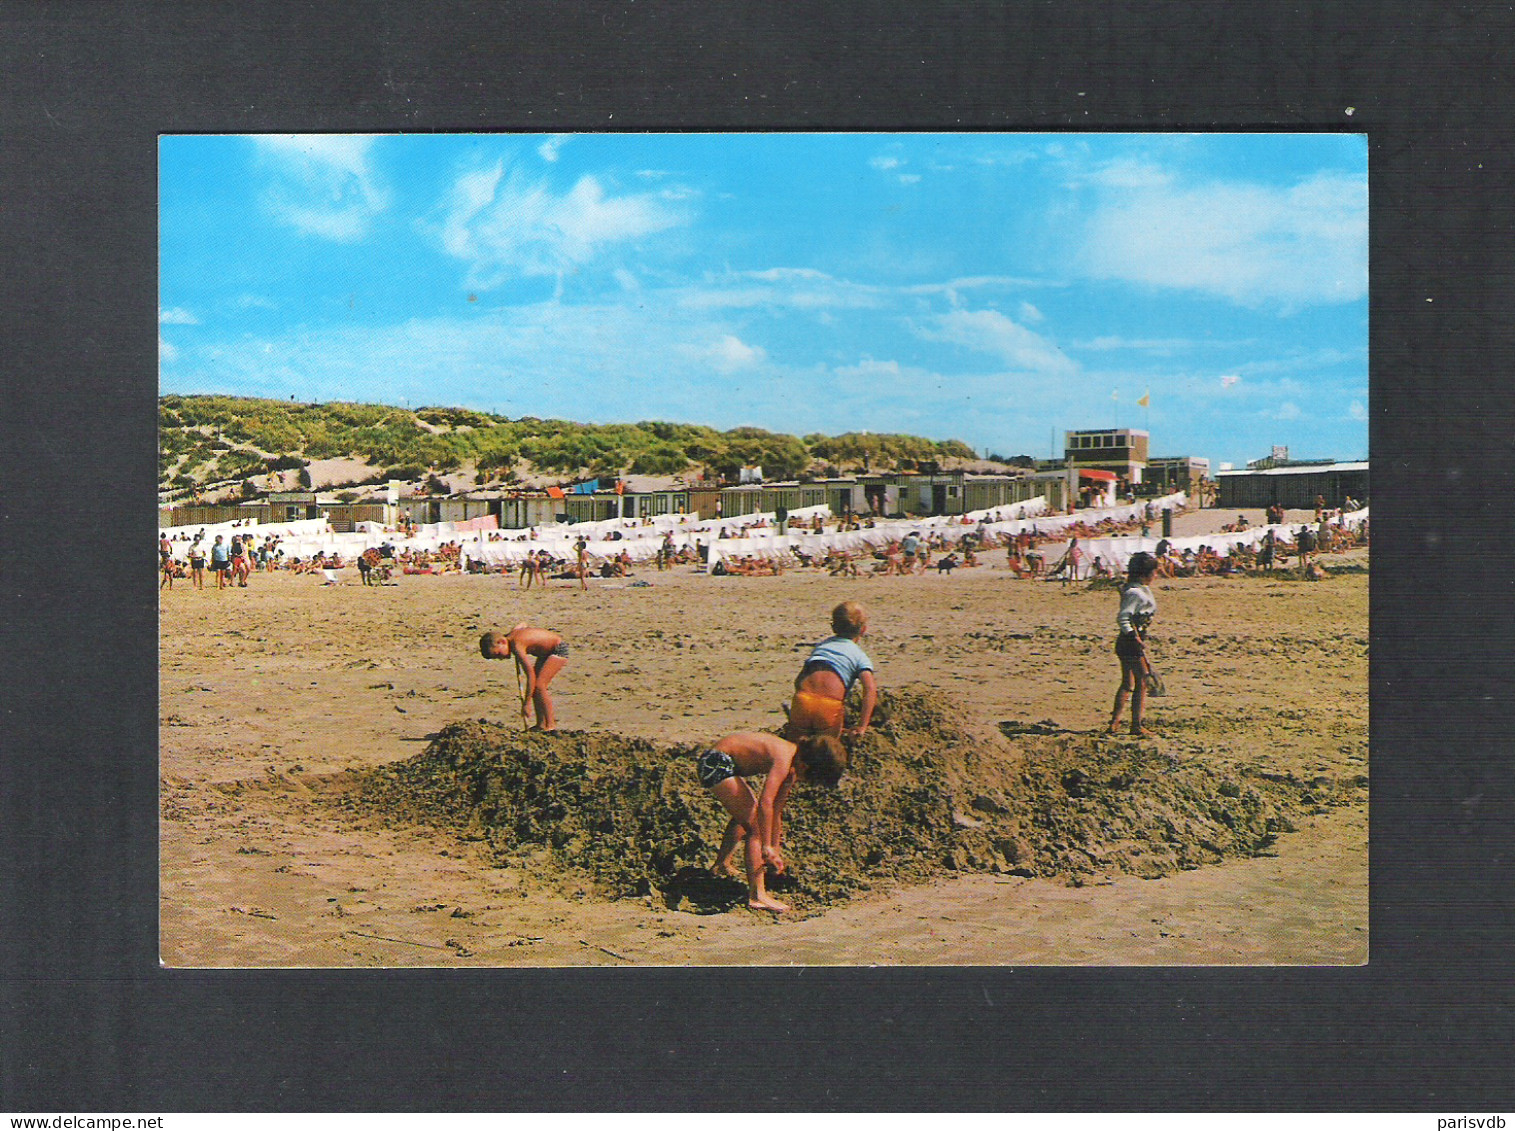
(992, 288)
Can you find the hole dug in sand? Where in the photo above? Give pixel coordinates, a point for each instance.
(926, 795)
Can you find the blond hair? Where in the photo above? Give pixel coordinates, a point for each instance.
(848, 618)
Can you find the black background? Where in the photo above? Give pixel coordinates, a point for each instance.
(90, 1022)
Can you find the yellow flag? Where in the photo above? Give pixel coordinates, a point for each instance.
(1146, 399)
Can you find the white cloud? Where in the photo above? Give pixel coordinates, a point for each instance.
(548, 151)
(167, 351)
(728, 354)
(504, 226)
(804, 288)
(346, 153)
(1108, 342)
(1126, 174)
(1288, 411)
(970, 282)
(178, 316)
(322, 185)
(869, 369)
(1253, 244)
(989, 331)
(1229, 380)
(798, 288)
(1357, 411)
(886, 163)
(790, 274)
(1029, 313)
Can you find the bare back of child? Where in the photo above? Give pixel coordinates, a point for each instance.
(834, 665)
(539, 655)
(757, 818)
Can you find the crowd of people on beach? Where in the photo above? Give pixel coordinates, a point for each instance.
(233, 560)
(1113, 548)
(813, 747)
(1085, 546)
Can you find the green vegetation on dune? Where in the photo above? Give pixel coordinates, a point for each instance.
(209, 439)
(883, 449)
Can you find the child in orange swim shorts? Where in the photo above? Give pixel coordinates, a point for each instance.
(835, 664)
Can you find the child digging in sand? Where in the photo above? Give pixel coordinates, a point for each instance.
(758, 819)
(820, 690)
(540, 655)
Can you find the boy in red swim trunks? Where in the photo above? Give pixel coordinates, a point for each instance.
(758, 819)
(538, 653)
(835, 664)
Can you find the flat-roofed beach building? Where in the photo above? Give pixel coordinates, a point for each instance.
(1293, 486)
(1122, 451)
(1166, 474)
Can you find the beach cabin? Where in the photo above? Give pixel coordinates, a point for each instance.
(1055, 482)
(928, 493)
(768, 498)
(210, 514)
(842, 495)
(343, 515)
(522, 509)
(424, 509)
(985, 492)
(650, 496)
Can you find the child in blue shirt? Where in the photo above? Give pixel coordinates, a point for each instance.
(820, 690)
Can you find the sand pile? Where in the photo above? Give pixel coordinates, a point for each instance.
(926, 794)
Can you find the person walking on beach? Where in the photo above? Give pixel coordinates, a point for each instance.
(197, 564)
(539, 656)
(1137, 607)
(220, 561)
(166, 563)
(757, 819)
(1304, 542)
(834, 665)
(1068, 565)
(240, 552)
(909, 547)
(579, 549)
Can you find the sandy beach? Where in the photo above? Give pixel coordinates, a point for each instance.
(272, 698)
